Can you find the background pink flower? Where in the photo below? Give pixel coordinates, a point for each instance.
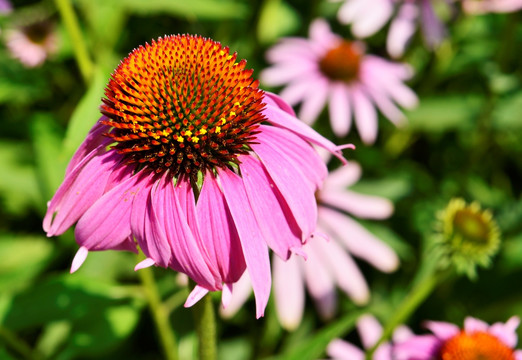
(32, 44)
(327, 69)
(477, 339)
(491, 6)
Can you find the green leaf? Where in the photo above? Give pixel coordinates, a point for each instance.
(24, 257)
(193, 9)
(277, 19)
(18, 184)
(507, 113)
(442, 113)
(314, 348)
(85, 115)
(50, 163)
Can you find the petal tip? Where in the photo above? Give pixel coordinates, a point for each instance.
(79, 258)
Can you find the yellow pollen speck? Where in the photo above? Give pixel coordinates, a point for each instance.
(221, 53)
(218, 129)
(222, 121)
(237, 103)
(194, 139)
(180, 139)
(165, 133)
(202, 131)
(229, 57)
(188, 133)
(232, 113)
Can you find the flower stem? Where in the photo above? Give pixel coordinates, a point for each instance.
(159, 314)
(206, 328)
(80, 48)
(18, 344)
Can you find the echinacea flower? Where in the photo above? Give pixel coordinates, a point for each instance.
(5, 7)
(328, 69)
(369, 331)
(197, 166)
(468, 236)
(368, 17)
(491, 6)
(32, 44)
(477, 340)
(329, 264)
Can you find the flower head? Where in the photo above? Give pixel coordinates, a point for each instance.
(329, 264)
(328, 69)
(196, 165)
(32, 44)
(5, 7)
(368, 17)
(468, 235)
(491, 6)
(477, 340)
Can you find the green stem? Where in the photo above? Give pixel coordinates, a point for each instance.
(159, 314)
(420, 291)
(18, 344)
(206, 328)
(80, 48)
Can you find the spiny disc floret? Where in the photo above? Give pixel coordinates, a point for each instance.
(182, 104)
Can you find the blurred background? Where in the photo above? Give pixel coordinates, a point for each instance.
(464, 139)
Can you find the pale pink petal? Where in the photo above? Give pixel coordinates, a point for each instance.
(314, 101)
(365, 115)
(287, 51)
(281, 74)
(432, 27)
(297, 90)
(402, 333)
(79, 258)
(218, 232)
(402, 29)
(472, 324)
(360, 205)
(321, 34)
(369, 330)
(386, 106)
(279, 102)
(506, 332)
(366, 18)
(195, 295)
(359, 241)
(442, 330)
(288, 291)
(417, 347)
(342, 350)
(518, 354)
(320, 285)
(343, 177)
(273, 216)
(240, 294)
(254, 247)
(339, 109)
(148, 262)
(226, 294)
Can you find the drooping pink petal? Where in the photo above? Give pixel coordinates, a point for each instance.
(79, 258)
(148, 262)
(402, 29)
(218, 231)
(226, 294)
(81, 188)
(365, 115)
(240, 294)
(296, 90)
(106, 224)
(289, 291)
(254, 247)
(195, 295)
(273, 215)
(279, 117)
(298, 193)
(314, 101)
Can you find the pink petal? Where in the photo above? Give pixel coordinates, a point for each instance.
(432, 27)
(402, 29)
(288, 291)
(106, 224)
(218, 233)
(240, 294)
(321, 34)
(297, 192)
(281, 74)
(314, 101)
(279, 117)
(417, 347)
(342, 177)
(359, 241)
(79, 258)
(226, 294)
(254, 247)
(342, 350)
(442, 330)
(365, 115)
(144, 264)
(297, 90)
(340, 112)
(272, 214)
(362, 206)
(195, 295)
(506, 332)
(369, 330)
(472, 324)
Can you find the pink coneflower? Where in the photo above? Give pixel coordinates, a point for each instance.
(369, 331)
(491, 6)
(196, 165)
(32, 44)
(327, 69)
(477, 340)
(328, 264)
(367, 17)
(5, 7)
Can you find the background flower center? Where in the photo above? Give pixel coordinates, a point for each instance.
(475, 346)
(341, 62)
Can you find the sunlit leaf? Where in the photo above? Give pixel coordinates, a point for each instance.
(276, 20)
(193, 9)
